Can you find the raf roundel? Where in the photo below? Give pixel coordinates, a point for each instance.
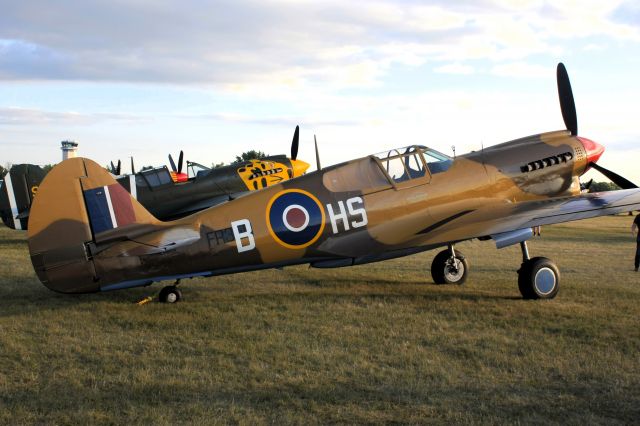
(295, 218)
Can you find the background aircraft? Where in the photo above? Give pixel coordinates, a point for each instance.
(167, 194)
(17, 190)
(88, 234)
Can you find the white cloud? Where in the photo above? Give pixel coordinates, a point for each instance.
(594, 47)
(13, 116)
(455, 68)
(289, 121)
(281, 43)
(522, 70)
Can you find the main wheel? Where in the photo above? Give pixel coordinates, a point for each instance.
(447, 270)
(538, 278)
(170, 294)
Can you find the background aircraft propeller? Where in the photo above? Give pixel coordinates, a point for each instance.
(177, 174)
(177, 169)
(294, 143)
(586, 186)
(115, 170)
(315, 141)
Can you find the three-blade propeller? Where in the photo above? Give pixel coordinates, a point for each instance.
(115, 170)
(568, 108)
(567, 104)
(177, 169)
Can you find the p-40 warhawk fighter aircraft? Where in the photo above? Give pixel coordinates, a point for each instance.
(166, 194)
(87, 234)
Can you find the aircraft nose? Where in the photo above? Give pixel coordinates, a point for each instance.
(299, 167)
(593, 149)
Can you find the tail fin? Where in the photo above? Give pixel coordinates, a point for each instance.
(17, 192)
(78, 204)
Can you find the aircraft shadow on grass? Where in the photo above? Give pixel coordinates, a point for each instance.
(26, 295)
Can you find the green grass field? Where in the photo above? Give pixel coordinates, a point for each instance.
(377, 343)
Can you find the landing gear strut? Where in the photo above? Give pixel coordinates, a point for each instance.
(171, 293)
(449, 267)
(538, 277)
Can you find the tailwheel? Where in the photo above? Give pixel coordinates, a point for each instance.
(538, 278)
(449, 267)
(170, 294)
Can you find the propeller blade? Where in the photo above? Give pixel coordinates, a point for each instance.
(118, 168)
(586, 186)
(173, 165)
(113, 169)
(133, 169)
(294, 143)
(567, 104)
(315, 141)
(180, 158)
(614, 177)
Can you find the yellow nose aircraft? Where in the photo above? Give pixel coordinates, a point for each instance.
(87, 234)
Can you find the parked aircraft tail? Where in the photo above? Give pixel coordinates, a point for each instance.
(17, 191)
(78, 205)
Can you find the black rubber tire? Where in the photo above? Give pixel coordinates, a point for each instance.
(539, 278)
(439, 268)
(170, 294)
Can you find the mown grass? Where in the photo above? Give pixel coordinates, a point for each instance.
(371, 344)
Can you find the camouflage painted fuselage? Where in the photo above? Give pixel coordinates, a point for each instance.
(347, 214)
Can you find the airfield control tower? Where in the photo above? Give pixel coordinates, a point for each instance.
(69, 149)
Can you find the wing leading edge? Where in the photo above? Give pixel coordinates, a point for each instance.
(499, 218)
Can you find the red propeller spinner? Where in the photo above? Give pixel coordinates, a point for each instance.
(593, 149)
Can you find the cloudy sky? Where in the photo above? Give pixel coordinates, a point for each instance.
(144, 78)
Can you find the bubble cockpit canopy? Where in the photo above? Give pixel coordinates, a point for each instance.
(411, 162)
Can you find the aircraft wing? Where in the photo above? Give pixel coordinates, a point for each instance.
(499, 218)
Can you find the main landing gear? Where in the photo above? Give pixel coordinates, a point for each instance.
(538, 277)
(170, 293)
(449, 267)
